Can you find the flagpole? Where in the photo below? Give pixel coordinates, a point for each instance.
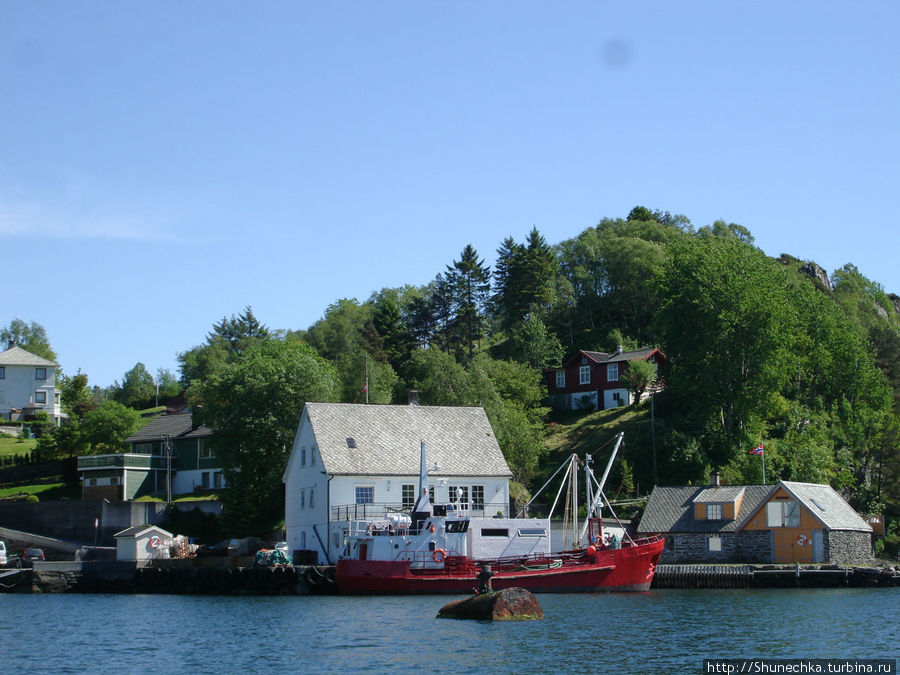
(367, 395)
(764, 466)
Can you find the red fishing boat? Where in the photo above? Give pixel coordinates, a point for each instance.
(440, 548)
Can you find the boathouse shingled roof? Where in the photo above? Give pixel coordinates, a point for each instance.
(178, 425)
(386, 439)
(826, 505)
(603, 357)
(671, 509)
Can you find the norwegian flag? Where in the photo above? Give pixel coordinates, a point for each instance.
(758, 450)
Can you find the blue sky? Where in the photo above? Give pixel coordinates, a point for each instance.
(163, 165)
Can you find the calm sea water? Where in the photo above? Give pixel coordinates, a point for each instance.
(654, 632)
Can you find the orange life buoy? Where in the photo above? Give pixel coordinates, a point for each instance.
(154, 542)
(439, 555)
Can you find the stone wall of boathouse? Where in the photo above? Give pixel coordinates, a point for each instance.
(848, 547)
(752, 546)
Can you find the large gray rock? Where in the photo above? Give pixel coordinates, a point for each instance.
(510, 604)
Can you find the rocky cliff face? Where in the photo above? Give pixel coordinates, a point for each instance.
(817, 273)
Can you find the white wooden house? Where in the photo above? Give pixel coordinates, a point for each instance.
(28, 386)
(353, 460)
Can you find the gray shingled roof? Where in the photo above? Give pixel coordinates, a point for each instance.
(719, 494)
(387, 439)
(671, 509)
(19, 357)
(173, 426)
(603, 357)
(827, 505)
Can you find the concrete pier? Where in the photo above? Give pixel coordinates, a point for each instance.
(772, 576)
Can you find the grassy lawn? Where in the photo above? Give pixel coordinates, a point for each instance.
(45, 492)
(10, 445)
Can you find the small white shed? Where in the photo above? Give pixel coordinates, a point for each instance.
(142, 542)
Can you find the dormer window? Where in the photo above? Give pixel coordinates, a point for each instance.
(351, 442)
(583, 360)
(714, 512)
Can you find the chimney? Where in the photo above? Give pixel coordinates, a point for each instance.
(12, 343)
(196, 414)
(413, 397)
(715, 480)
(619, 349)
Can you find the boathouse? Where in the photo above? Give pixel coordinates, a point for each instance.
(353, 460)
(788, 522)
(143, 542)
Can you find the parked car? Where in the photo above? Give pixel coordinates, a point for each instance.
(2, 553)
(32, 554)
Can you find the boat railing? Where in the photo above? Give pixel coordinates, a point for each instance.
(374, 510)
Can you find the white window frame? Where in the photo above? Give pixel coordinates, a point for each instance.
(584, 375)
(477, 497)
(361, 491)
(714, 511)
(204, 451)
(303, 456)
(560, 379)
(312, 497)
(714, 544)
(407, 495)
(461, 499)
(783, 513)
(612, 372)
(2, 372)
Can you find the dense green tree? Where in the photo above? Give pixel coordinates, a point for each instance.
(106, 428)
(468, 281)
(524, 278)
(76, 397)
(227, 341)
(733, 357)
(138, 390)
(167, 384)
(639, 376)
(32, 337)
(530, 342)
(253, 405)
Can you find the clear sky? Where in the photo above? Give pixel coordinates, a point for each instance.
(165, 164)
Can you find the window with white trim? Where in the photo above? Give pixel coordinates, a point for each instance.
(612, 372)
(478, 497)
(205, 450)
(714, 512)
(459, 494)
(714, 544)
(584, 375)
(312, 498)
(302, 456)
(782, 513)
(365, 494)
(407, 495)
(560, 379)
(2, 372)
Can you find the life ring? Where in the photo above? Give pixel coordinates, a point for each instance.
(439, 555)
(155, 542)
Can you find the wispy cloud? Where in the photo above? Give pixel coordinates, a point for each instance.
(23, 219)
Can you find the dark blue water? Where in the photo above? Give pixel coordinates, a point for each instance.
(655, 632)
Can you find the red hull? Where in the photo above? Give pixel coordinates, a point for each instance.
(629, 568)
